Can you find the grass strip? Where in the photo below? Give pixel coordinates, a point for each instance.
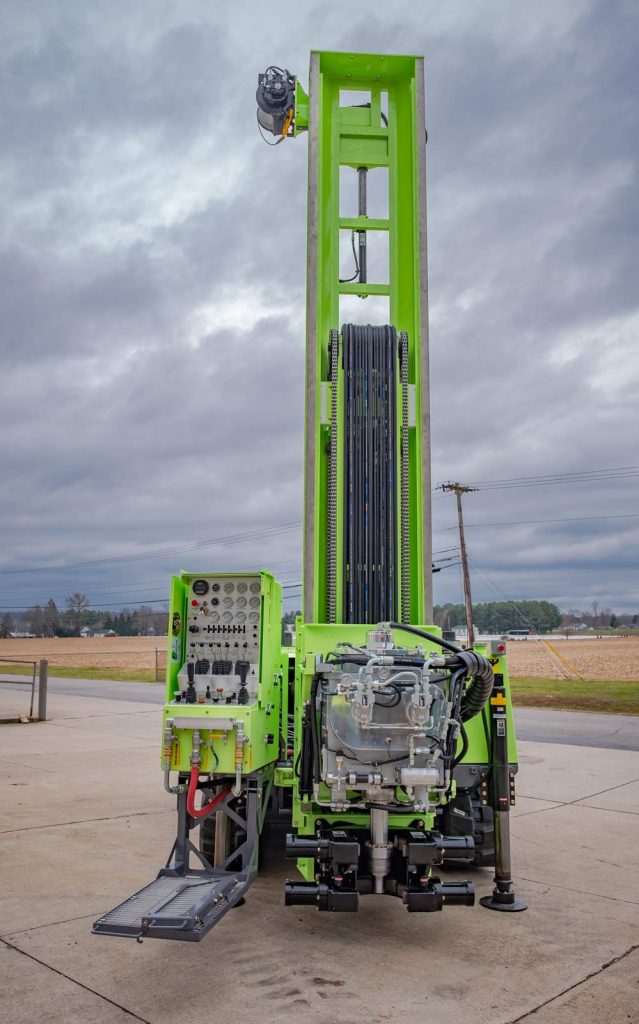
(609, 695)
(615, 696)
(139, 675)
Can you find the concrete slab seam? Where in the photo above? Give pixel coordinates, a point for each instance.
(577, 801)
(83, 821)
(7, 936)
(560, 849)
(579, 892)
(588, 977)
(80, 984)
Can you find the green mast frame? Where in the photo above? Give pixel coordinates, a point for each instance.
(342, 134)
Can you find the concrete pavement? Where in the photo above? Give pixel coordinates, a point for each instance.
(86, 821)
(617, 732)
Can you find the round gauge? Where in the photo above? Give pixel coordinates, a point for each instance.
(254, 617)
(200, 587)
(240, 617)
(227, 617)
(242, 588)
(215, 601)
(215, 616)
(241, 602)
(255, 588)
(215, 587)
(228, 602)
(229, 587)
(254, 602)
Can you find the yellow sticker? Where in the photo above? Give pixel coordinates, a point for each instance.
(499, 699)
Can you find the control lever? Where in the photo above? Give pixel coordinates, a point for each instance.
(241, 669)
(191, 694)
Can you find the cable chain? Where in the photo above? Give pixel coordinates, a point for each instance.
(405, 510)
(332, 486)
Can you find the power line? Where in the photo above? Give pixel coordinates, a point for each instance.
(476, 566)
(160, 552)
(587, 476)
(530, 522)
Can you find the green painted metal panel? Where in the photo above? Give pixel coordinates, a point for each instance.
(261, 719)
(342, 135)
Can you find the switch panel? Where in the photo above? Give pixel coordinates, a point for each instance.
(222, 648)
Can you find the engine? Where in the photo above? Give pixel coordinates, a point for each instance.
(380, 737)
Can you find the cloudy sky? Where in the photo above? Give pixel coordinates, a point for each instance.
(152, 290)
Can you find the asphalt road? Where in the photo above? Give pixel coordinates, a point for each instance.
(576, 728)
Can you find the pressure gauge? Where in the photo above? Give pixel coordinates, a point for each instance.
(242, 588)
(215, 616)
(254, 602)
(255, 587)
(228, 602)
(200, 587)
(254, 617)
(227, 617)
(240, 617)
(241, 602)
(215, 587)
(229, 587)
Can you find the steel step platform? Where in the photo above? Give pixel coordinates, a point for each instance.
(176, 906)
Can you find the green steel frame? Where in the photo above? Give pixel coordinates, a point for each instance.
(343, 135)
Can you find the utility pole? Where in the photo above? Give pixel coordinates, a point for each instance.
(459, 489)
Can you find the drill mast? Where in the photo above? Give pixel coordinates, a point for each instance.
(367, 517)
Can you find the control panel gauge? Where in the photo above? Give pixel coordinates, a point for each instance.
(200, 587)
(240, 617)
(215, 616)
(242, 587)
(215, 587)
(227, 616)
(254, 617)
(255, 587)
(229, 587)
(254, 602)
(241, 602)
(228, 602)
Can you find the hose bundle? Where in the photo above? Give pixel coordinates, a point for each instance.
(481, 684)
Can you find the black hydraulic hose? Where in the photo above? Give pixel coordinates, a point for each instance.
(464, 750)
(446, 644)
(314, 733)
(481, 684)
(394, 809)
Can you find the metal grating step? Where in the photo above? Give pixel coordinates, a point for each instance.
(175, 906)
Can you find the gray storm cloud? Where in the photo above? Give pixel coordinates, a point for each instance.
(152, 289)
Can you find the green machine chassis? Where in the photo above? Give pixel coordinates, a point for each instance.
(257, 748)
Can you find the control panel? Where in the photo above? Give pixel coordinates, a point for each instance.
(222, 642)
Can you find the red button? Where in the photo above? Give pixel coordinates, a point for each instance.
(195, 603)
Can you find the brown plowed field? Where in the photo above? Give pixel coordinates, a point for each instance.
(124, 652)
(613, 657)
(607, 658)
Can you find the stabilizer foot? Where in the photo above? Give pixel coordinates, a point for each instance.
(506, 901)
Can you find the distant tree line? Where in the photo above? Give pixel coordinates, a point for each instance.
(48, 620)
(596, 617)
(500, 616)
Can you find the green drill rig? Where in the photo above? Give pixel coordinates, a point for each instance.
(385, 749)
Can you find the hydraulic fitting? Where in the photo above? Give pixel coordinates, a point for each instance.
(195, 753)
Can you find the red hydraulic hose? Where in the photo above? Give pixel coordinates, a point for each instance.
(190, 797)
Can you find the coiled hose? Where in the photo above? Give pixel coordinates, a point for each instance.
(476, 665)
(481, 683)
